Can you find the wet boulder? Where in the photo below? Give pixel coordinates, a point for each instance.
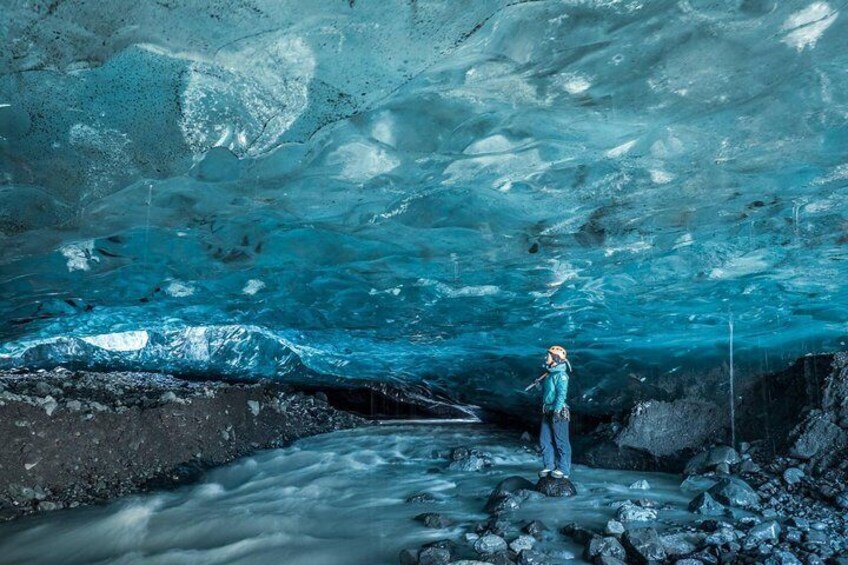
(433, 520)
(490, 544)
(550, 486)
(408, 557)
(734, 492)
(793, 475)
(513, 485)
(643, 546)
(578, 533)
(629, 512)
(503, 504)
(434, 556)
(521, 543)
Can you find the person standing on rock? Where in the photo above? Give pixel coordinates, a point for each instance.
(553, 435)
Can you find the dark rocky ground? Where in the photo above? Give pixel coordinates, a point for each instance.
(72, 438)
(780, 499)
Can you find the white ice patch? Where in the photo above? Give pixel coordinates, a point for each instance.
(806, 26)
(179, 289)
(80, 255)
(383, 130)
(636, 247)
(248, 96)
(360, 161)
(575, 84)
(119, 341)
(461, 292)
(684, 240)
(492, 144)
(253, 286)
(622, 149)
(749, 264)
(660, 177)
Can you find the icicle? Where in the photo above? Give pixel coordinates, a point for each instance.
(732, 392)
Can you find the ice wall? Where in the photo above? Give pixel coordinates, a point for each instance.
(424, 190)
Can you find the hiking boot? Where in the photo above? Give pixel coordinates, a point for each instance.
(544, 473)
(557, 474)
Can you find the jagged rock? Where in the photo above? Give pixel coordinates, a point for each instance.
(688, 561)
(535, 528)
(681, 543)
(489, 544)
(643, 546)
(765, 531)
(433, 520)
(614, 528)
(641, 485)
(712, 458)
(697, 483)
(494, 525)
(629, 512)
(604, 546)
(734, 492)
(434, 556)
(609, 560)
(550, 486)
(502, 503)
(509, 494)
(706, 505)
(521, 543)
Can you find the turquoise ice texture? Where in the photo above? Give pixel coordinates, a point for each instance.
(423, 191)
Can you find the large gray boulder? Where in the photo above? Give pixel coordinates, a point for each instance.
(734, 492)
(550, 486)
(643, 546)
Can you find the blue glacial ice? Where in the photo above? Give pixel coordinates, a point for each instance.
(423, 191)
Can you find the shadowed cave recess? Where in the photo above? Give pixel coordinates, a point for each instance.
(425, 194)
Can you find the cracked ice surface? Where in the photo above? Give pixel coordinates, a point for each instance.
(423, 190)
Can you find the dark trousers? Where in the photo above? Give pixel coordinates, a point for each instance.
(556, 447)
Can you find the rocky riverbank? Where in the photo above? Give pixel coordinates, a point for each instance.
(748, 506)
(73, 438)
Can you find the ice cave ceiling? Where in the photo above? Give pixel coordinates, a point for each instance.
(423, 189)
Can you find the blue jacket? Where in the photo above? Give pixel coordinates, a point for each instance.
(555, 388)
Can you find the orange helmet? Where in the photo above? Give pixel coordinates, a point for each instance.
(558, 352)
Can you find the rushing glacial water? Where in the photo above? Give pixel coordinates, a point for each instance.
(331, 499)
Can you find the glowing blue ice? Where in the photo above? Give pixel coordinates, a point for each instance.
(424, 190)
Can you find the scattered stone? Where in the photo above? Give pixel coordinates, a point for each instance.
(604, 546)
(530, 557)
(421, 497)
(765, 531)
(512, 485)
(254, 407)
(706, 505)
(682, 543)
(641, 485)
(489, 544)
(782, 557)
(793, 475)
(629, 512)
(521, 543)
(434, 556)
(643, 546)
(502, 504)
(578, 533)
(433, 520)
(550, 486)
(697, 483)
(468, 460)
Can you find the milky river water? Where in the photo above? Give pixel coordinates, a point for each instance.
(332, 499)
